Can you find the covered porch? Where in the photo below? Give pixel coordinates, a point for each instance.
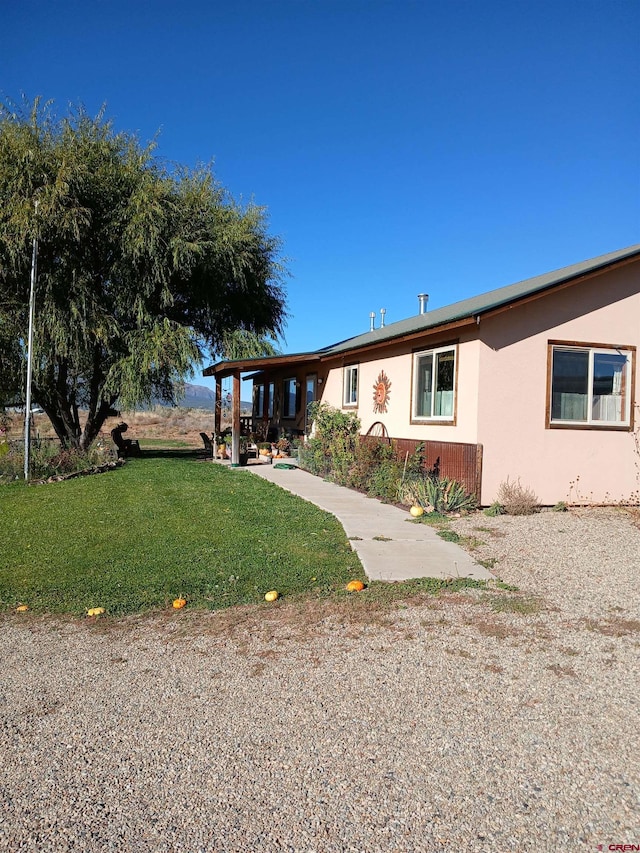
(283, 387)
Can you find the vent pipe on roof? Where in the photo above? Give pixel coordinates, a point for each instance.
(372, 321)
(423, 298)
(383, 311)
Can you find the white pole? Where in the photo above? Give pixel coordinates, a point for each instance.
(32, 309)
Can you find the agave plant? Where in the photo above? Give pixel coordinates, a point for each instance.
(439, 494)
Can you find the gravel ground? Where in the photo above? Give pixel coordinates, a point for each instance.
(481, 722)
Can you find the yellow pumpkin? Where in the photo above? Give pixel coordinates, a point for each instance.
(22, 608)
(95, 611)
(272, 595)
(179, 603)
(355, 586)
(416, 511)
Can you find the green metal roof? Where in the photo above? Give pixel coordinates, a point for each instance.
(478, 305)
(465, 309)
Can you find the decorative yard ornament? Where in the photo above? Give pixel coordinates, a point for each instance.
(381, 392)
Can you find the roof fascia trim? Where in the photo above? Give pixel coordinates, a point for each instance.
(225, 368)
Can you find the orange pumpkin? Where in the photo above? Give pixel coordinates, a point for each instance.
(355, 586)
(179, 603)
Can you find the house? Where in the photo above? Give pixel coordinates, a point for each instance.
(535, 381)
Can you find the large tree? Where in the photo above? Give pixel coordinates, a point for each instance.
(141, 268)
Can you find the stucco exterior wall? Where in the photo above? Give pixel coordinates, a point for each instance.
(577, 465)
(501, 393)
(397, 365)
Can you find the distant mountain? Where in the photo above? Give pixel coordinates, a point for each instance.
(197, 397)
(201, 397)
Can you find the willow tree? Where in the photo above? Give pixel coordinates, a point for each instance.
(141, 268)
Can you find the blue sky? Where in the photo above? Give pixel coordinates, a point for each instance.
(400, 147)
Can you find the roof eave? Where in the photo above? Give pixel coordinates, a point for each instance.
(226, 368)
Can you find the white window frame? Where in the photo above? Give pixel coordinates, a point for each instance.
(625, 382)
(433, 418)
(350, 386)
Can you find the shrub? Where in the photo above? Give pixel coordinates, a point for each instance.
(48, 459)
(433, 493)
(331, 452)
(517, 499)
(496, 508)
(383, 479)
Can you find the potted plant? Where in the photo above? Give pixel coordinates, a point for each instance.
(283, 446)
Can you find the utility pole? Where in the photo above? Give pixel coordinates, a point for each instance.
(32, 310)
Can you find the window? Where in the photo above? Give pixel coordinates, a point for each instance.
(258, 401)
(271, 391)
(289, 398)
(590, 386)
(434, 374)
(350, 391)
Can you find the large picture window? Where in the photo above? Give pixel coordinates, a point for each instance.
(434, 382)
(350, 391)
(590, 386)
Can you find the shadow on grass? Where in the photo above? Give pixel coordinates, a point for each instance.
(184, 453)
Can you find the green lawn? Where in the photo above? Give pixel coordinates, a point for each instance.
(164, 525)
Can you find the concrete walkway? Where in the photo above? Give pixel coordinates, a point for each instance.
(391, 547)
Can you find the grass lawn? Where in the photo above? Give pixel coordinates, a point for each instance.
(162, 526)
(166, 525)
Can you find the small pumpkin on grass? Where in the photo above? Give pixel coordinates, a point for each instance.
(272, 595)
(355, 586)
(179, 603)
(22, 608)
(416, 511)
(95, 611)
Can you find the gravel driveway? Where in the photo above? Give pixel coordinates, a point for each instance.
(480, 722)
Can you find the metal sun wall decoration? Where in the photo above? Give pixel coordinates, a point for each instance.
(381, 392)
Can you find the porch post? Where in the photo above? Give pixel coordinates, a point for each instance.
(217, 414)
(235, 421)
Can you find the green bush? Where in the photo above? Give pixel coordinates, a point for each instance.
(332, 450)
(48, 459)
(435, 494)
(495, 509)
(337, 452)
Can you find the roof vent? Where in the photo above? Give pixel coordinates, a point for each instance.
(383, 311)
(423, 298)
(372, 321)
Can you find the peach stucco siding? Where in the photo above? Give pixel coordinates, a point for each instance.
(501, 399)
(578, 465)
(397, 366)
